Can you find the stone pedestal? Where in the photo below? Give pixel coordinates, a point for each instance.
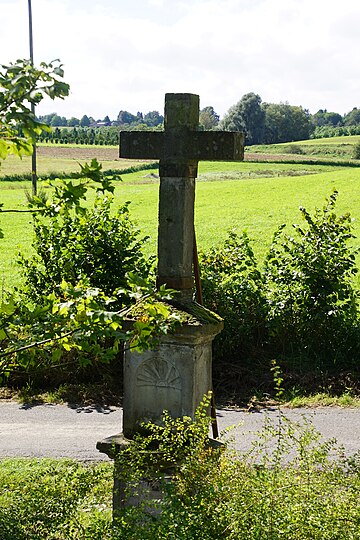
(148, 492)
(174, 377)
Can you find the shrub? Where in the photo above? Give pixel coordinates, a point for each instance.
(233, 288)
(289, 485)
(51, 499)
(313, 307)
(74, 242)
(294, 149)
(356, 151)
(87, 270)
(301, 304)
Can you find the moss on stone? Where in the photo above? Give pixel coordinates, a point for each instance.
(196, 312)
(188, 312)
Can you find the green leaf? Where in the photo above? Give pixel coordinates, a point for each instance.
(4, 148)
(8, 306)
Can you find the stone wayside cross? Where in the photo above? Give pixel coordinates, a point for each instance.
(177, 373)
(179, 148)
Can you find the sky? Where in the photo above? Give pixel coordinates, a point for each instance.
(126, 54)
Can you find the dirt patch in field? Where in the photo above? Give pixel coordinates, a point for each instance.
(79, 153)
(108, 156)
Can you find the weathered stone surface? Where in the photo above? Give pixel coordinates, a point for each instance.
(177, 374)
(194, 146)
(113, 445)
(174, 377)
(176, 232)
(181, 111)
(149, 491)
(179, 148)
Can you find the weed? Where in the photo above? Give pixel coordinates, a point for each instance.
(291, 484)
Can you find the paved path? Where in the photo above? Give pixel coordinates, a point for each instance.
(64, 431)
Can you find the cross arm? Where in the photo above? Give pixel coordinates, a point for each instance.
(217, 146)
(190, 145)
(141, 144)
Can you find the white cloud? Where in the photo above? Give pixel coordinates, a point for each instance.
(126, 55)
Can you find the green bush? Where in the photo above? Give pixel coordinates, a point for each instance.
(294, 491)
(87, 270)
(290, 485)
(74, 241)
(356, 151)
(294, 149)
(302, 303)
(39, 499)
(233, 288)
(312, 304)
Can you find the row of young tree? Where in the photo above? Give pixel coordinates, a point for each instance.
(54, 120)
(124, 118)
(105, 135)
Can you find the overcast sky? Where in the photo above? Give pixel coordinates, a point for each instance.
(126, 54)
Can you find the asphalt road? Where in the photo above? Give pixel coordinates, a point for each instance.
(72, 432)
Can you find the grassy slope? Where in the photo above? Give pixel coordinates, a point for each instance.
(258, 204)
(340, 148)
(257, 197)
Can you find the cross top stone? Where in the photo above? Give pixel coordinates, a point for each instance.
(179, 148)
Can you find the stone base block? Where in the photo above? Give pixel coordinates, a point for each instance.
(173, 377)
(147, 492)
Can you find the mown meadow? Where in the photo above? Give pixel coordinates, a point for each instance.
(254, 196)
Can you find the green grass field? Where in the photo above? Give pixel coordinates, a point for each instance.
(256, 197)
(340, 148)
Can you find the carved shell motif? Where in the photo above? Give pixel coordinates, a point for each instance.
(158, 372)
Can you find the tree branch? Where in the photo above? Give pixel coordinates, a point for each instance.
(37, 344)
(21, 211)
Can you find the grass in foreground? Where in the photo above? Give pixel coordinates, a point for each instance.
(290, 485)
(53, 499)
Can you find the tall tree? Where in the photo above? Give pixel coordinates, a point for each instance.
(57, 120)
(85, 121)
(233, 119)
(325, 118)
(247, 115)
(72, 122)
(124, 117)
(153, 118)
(285, 123)
(352, 118)
(208, 118)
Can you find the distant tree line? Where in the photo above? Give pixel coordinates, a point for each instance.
(87, 130)
(54, 120)
(269, 123)
(263, 123)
